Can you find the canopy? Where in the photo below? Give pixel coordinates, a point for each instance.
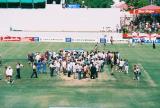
(150, 9)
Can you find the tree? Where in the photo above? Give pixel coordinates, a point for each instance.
(137, 3)
(93, 3)
(157, 2)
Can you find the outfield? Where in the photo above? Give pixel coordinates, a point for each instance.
(118, 91)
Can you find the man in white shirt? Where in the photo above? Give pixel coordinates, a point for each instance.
(69, 69)
(9, 73)
(121, 64)
(18, 67)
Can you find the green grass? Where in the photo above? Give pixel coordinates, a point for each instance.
(119, 91)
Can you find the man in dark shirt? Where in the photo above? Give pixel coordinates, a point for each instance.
(154, 45)
(93, 71)
(34, 73)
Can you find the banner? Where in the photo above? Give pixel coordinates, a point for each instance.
(139, 35)
(36, 39)
(68, 39)
(18, 39)
(135, 40)
(27, 39)
(10, 39)
(83, 40)
(73, 6)
(51, 39)
(102, 40)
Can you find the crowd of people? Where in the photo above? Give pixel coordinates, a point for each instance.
(142, 24)
(75, 63)
(79, 63)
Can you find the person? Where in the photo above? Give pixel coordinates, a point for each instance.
(69, 69)
(58, 65)
(64, 66)
(97, 69)
(93, 71)
(121, 64)
(9, 73)
(111, 40)
(126, 66)
(154, 45)
(138, 72)
(112, 66)
(52, 69)
(18, 66)
(134, 71)
(30, 58)
(75, 70)
(39, 66)
(141, 41)
(34, 71)
(79, 70)
(133, 42)
(44, 67)
(130, 42)
(0, 60)
(85, 68)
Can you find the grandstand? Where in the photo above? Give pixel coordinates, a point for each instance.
(55, 21)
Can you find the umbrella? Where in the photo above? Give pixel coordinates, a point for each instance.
(150, 9)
